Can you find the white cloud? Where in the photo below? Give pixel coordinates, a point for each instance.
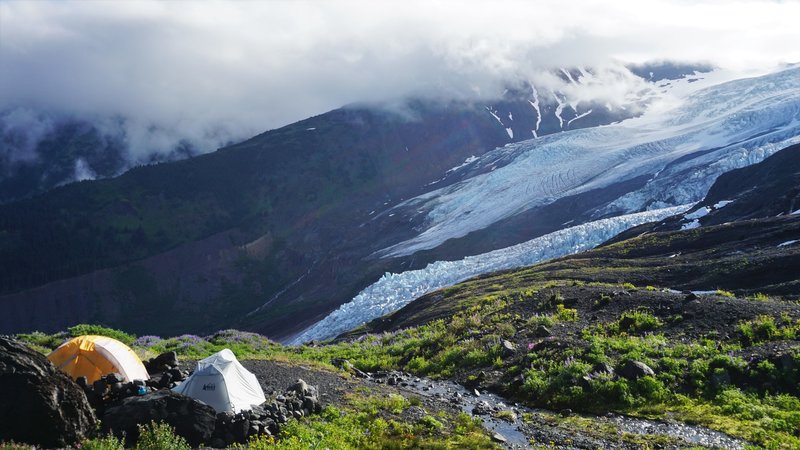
(243, 67)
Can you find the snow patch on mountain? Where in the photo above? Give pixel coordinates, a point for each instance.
(395, 290)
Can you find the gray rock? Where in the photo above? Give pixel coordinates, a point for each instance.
(40, 404)
(482, 409)
(192, 419)
(311, 404)
(508, 348)
(542, 331)
(497, 437)
(302, 388)
(635, 369)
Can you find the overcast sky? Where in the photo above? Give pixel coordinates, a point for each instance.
(248, 66)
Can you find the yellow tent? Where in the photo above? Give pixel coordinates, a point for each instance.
(96, 356)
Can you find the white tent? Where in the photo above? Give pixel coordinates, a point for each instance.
(223, 383)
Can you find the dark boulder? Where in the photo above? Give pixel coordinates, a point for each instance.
(192, 419)
(161, 363)
(635, 369)
(40, 404)
(626, 323)
(482, 408)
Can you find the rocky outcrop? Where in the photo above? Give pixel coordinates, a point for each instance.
(40, 404)
(192, 419)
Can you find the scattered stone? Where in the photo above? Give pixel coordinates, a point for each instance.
(161, 363)
(508, 348)
(542, 331)
(476, 392)
(482, 408)
(40, 404)
(635, 369)
(497, 437)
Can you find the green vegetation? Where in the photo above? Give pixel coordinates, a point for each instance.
(108, 442)
(152, 436)
(635, 321)
(82, 329)
(765, 328)
(758, 297)
(725, 293)
(160, 436)
(564, 314)
(375, 423)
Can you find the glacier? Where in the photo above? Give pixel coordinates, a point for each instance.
(395, 290)
(682, 148)
(681, 144)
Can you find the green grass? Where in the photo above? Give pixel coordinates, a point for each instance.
(697, 378)
(368, 423)
(758, 297)
(766, 328)
(725, 293)
(160, 436)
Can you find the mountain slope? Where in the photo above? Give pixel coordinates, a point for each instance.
(221, 235)
(42, 150)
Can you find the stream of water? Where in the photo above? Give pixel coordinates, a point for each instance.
(511, 433)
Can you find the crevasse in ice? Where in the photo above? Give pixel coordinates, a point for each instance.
(395, 290)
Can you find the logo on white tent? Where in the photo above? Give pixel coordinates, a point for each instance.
(209, 387)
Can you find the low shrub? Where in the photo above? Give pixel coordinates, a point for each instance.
(160, 436)
(83, 329)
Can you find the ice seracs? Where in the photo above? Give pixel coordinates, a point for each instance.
(395, 290)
